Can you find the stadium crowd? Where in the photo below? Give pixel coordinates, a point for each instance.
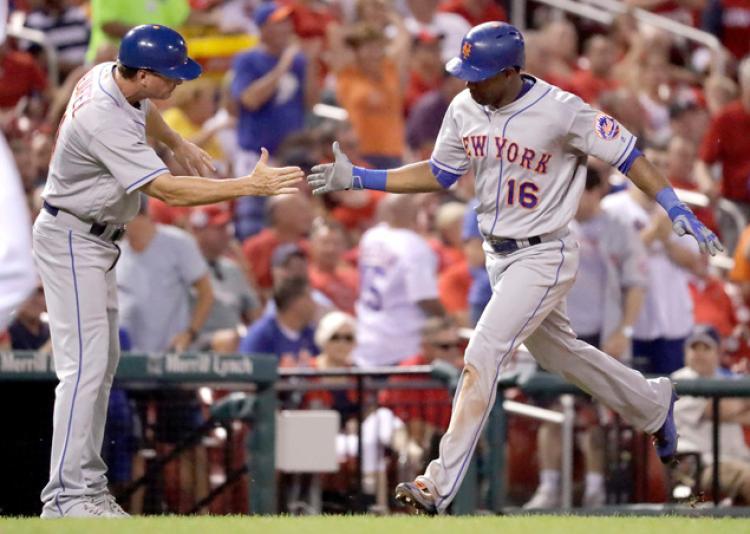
(366, 279)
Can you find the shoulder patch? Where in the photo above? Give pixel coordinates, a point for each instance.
(606, 127)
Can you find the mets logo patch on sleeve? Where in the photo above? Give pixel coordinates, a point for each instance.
(606, 127)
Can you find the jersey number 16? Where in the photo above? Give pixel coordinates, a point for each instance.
(523, 192)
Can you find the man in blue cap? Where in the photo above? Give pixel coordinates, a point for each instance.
(101, 161)
(274, 84)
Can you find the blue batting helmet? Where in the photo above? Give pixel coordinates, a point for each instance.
(486, 50)
(160, 49)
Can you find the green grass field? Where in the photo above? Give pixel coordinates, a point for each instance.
(382, 525)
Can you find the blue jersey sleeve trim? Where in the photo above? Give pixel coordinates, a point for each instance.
(628, 147)
(138, 183)
(437, 162)
(624, 167)
(444, 178)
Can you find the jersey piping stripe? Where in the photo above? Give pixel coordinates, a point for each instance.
(78, 374)
(139, 123)
(439, 163)
(500, 177)
(99, 81)
(626, 151)
(488, 408)
(149, 175)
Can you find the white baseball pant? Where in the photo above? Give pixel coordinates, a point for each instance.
(81, 294)
(528, 306)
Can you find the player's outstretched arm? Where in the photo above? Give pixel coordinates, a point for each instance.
(648, 179)
(341, 175)
(264, 181)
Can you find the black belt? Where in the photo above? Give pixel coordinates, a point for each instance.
(97, 229)
(506, 246)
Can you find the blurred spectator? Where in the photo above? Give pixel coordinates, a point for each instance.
(560, 43)
(311, 17)
(290, 261)
(475, 11)
(719, 91)
(372, 91)
(481, 287)
(426, 115)
(689, 120)
(235, 302)
(729, 20)
(720, 145)
(28, 331)
(158, 268)
(112, 19)
(693, 417)
(288, 332)
(654, 98)
(424, 16)
(448, 244)
(398, 289)
(194, 103)
(606, 298)
(289, 218)
(589, 83)
(680, 165)
(65, 27)
(740, 273)
(426, 68)
(711, 303)
(667, 316)
(327, 271)
(426, 412)
(273, 85)
(20, 76)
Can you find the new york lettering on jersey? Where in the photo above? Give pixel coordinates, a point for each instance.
(529, 177)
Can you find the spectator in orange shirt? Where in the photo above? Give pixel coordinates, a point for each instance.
(426, 412)
(328, 273)
(590, 83)
(454, 284)
(289, 217)
(476, 11)
(448, 245)
(372, 91)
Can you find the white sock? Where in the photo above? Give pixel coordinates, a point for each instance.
(549, 479)
(594, 482)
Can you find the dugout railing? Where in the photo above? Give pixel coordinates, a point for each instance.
(261, 390)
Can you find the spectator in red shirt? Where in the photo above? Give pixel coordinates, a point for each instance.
(290, 217)
(426, 72)
(711, 303)
(725, 142)
(475, 11)
(327, 271)
(426, 412)
(680, 163)
(19, 76)
(729, 20)
(590, 83)
(448, 245)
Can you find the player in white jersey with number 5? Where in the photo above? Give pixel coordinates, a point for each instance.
(100, 164)
(527, 142)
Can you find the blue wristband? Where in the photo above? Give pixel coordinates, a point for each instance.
(667, 199)
(368, 178)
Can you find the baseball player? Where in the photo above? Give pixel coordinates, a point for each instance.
(527, 142)
(100, 163)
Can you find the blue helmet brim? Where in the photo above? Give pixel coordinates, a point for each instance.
(189, 70)
(466, 72)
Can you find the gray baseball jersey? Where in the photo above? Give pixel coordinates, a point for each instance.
(101, 156)
(529, 157)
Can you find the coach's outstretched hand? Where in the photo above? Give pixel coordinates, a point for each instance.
(269, 181)
(336, 176)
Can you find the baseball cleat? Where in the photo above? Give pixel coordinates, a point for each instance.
(107, 503)
(665, 439)
(417, 496)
